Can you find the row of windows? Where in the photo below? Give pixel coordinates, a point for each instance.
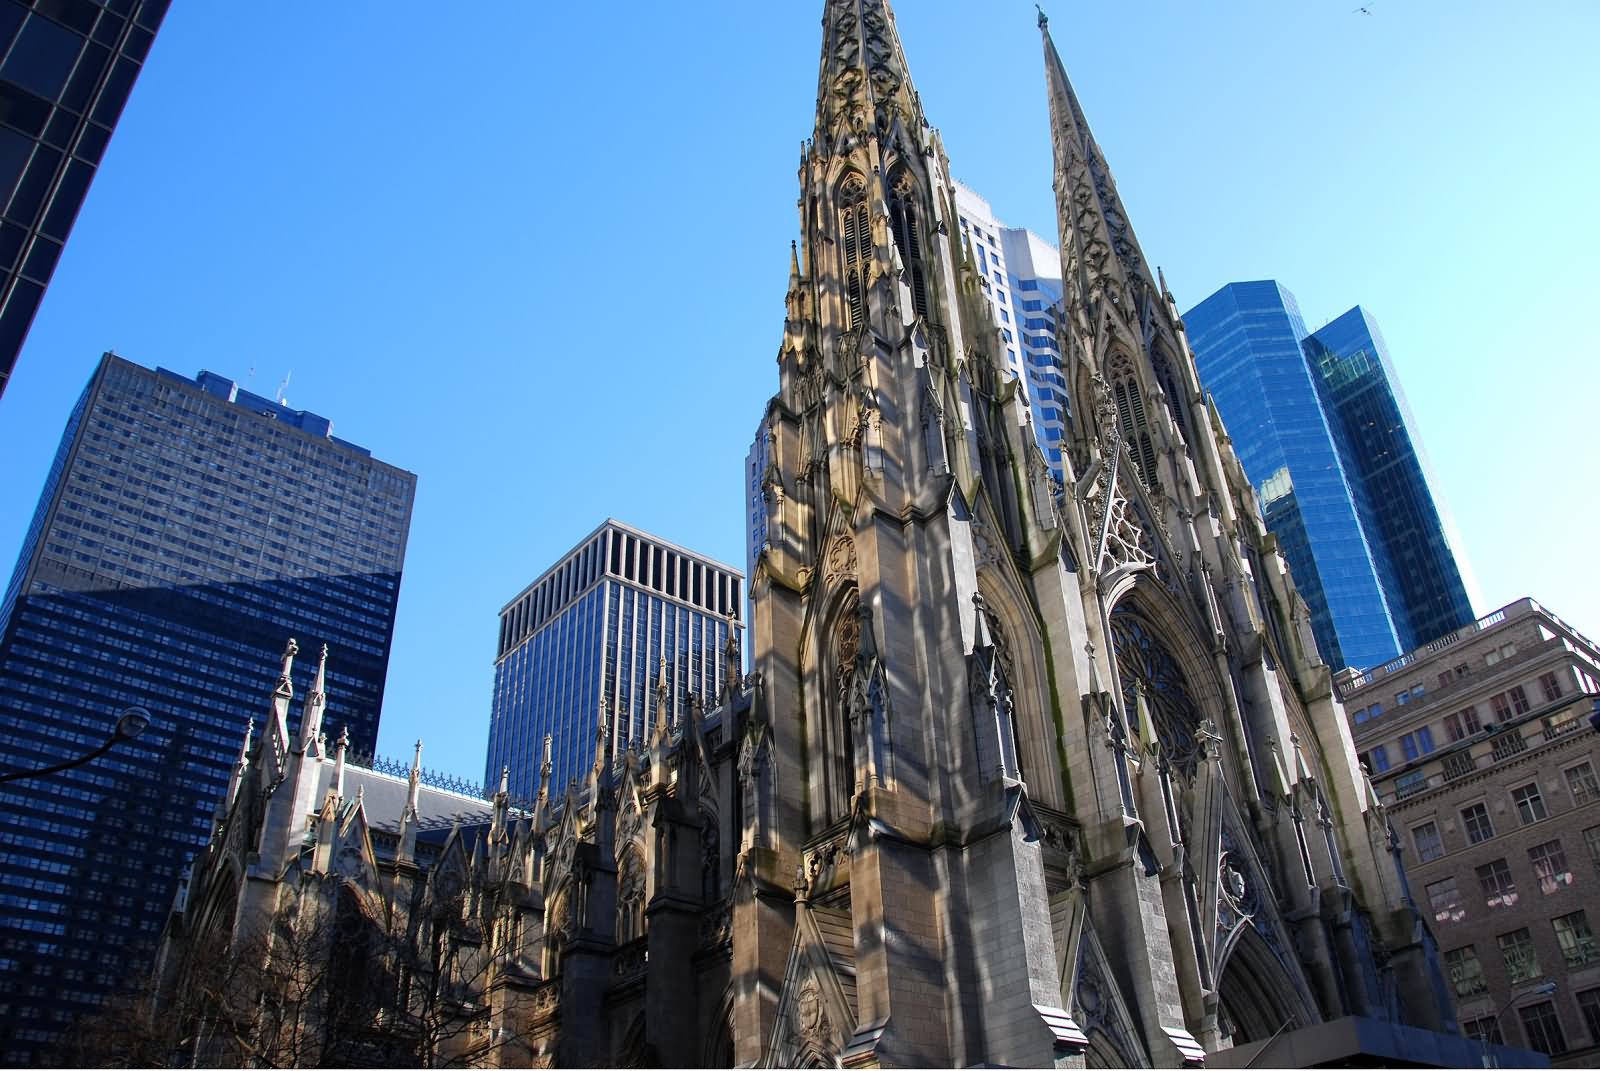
(1457, 725)
(638, 560)
(1477, 826)
(1540, 1022)
(1498, 884)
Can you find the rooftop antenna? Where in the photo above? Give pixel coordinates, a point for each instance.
(279, 398)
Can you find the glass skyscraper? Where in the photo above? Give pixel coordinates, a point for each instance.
(66, 69)
(1321, 428)
(1364, 401)
(595, 627)
(186, 530)
(1019, 274)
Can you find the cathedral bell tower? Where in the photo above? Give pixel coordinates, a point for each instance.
(1034, 773)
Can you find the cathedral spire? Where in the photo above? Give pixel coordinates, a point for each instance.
(863, 71)
(1098, 247)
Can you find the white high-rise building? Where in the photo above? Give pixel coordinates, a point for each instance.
(1020, 274)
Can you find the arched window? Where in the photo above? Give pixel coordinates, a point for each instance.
(904, 219)
(856, 238)
(1176, 401)
(1135, 426)
(839, 745)
(1147, 669)
(630, 897)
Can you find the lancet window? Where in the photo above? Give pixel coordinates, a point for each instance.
(1175, 396)
(840, 745)
(905, 219)
(856, 240)
(1134, 423)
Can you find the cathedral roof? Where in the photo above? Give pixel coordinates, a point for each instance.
(385, 800)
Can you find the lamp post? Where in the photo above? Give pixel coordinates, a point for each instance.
(130, 723)
(1543, 989)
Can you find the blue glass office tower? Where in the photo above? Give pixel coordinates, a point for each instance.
(187, 528)
(66, 69)
(595, 626)
(1372, 425)
(1320, 427)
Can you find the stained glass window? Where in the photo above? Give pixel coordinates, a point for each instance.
(1144, 663)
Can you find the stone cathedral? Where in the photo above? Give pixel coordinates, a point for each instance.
(1025, 774)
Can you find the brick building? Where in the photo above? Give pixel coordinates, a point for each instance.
(1481, 747)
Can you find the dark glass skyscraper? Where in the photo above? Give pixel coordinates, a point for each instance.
(1321, 427)
(66, 69)
(596, 626)
(1372, 426)
(187, 528)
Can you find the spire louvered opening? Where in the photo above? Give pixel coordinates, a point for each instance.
(1175, 398)
(1135, 427)
(907, 224)
(856, 239)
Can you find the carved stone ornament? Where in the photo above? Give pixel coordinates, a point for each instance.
(985, 547)
(810, 1015)
(841, 564)
(820, 865)
(630, 822)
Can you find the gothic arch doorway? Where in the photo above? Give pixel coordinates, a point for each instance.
(1255, 996)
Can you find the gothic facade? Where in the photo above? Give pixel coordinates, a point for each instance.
(1027, 772)
(1057, 768)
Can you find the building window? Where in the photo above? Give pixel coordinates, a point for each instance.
(1589, 1007)
(1502, 707)
(1591, 839)
(1380, 759)
(1539, 1022)
(1410, 783)
(1522, 963)
(1445, 897)
(1530, 805)
(1417, 744)
(1575, 938)
(1582, 784)
(1499, 890)
(1475, 820)
(1485, 1030)
(1465, 970)
(1519, 700)
(1426, 838)
(1552, 687)
(1462, 724)
(1550, 866)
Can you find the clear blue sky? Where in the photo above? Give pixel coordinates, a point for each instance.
(537, 255)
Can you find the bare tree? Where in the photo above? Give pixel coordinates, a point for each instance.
(324, 986)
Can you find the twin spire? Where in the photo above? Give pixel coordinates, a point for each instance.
(1098, 247)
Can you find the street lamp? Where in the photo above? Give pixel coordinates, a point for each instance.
(1543, 989)
(130, 723)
